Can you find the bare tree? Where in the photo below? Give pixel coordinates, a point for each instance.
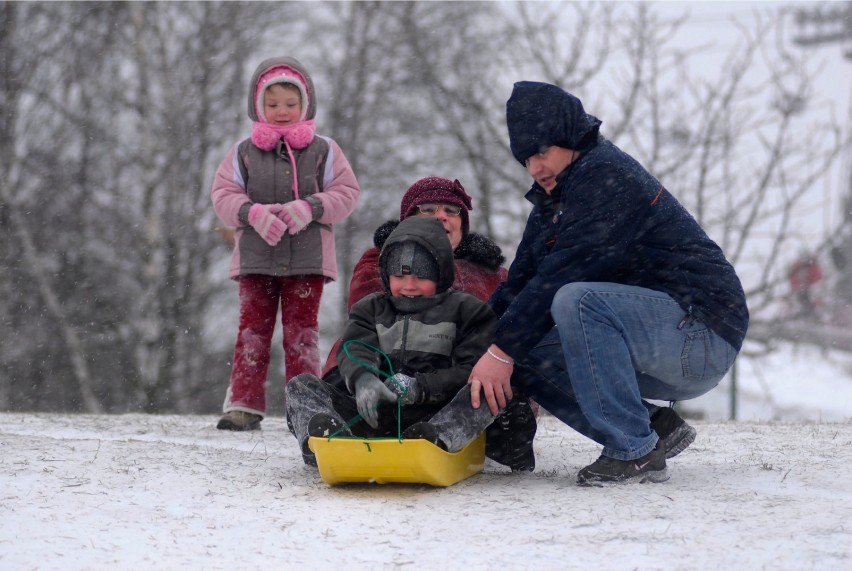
(115, 116)
(370, 106)
(453, 71)
(34, 83)
(735, 145)
(187, 63)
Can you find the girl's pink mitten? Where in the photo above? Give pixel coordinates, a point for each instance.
(270, 228)
(296, 214)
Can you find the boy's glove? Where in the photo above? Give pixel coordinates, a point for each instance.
(262, 219)
(406, 388)
(369, 392)
(296, 215)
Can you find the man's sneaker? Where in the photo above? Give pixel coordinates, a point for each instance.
(239, 421)
(675, 434)
(321, 425)
(649, 468)
(423, 431)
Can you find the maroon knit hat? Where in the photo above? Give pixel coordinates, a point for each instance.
(434, 189)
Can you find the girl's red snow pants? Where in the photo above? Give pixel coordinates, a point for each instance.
(260, 295)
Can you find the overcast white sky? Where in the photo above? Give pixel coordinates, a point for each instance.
(709, 22)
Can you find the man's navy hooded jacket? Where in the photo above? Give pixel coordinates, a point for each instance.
(607, 220)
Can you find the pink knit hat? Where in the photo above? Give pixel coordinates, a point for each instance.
(280, 74)
(434, 189)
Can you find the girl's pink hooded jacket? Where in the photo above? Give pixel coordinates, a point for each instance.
(249, 175)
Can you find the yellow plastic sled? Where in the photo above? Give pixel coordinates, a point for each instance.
(343, 460)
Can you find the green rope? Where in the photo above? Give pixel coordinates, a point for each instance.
(368, 366)
(379, 373)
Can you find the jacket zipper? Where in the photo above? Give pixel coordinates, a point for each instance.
(404, 340)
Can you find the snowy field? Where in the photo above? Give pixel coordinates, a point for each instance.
(138, 492)
(171, 492)
(794, 383)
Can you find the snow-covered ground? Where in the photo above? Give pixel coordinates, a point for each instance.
(171, 492)
(168, 492)
(794, 383)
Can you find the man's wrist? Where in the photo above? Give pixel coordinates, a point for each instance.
(498, 354)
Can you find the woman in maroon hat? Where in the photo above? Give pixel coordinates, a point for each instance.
(478, 271)
(479, 261)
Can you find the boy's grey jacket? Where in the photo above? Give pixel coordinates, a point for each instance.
(436, 339)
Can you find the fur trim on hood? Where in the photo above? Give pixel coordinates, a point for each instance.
(287, 62)
(475, 248)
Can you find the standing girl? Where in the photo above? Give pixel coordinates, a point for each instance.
(283, 189)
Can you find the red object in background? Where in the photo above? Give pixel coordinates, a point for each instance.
(805, 273)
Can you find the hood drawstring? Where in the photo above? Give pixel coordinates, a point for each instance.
(296, 136)
(295, 171)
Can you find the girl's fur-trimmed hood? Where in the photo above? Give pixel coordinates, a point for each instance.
(279, 61)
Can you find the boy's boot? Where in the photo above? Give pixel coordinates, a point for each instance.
(321, 425)
(509, 439)
(424, 431)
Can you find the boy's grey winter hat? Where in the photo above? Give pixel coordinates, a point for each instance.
(410, 258)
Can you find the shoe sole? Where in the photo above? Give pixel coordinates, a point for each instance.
(523, 469)
(655, 477)
(228, 425)
(679, 440)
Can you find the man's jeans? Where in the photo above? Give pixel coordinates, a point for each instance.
(623, 344)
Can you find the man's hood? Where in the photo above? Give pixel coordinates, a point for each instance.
(541, 115)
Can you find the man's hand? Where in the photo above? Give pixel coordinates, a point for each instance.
(369, 391)
(491, 375)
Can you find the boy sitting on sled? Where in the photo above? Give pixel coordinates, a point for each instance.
(421, 336)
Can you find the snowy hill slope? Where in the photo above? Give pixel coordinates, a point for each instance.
(168, 492)
(795, 383)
